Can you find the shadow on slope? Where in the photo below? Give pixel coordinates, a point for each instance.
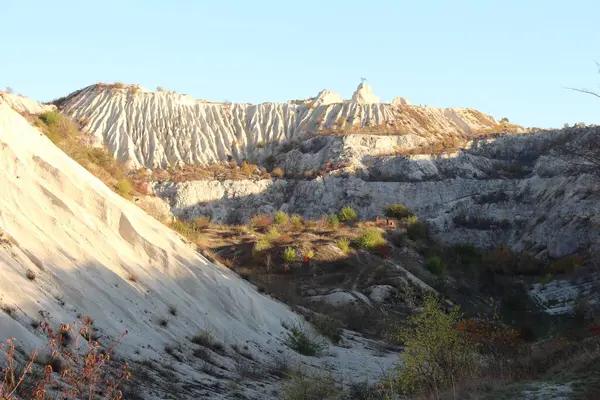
(506, 191)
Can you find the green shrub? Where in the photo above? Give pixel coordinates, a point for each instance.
(59, 128)
(310, 254)
(272, 235)
(124, 187)
(270, 162)
(435, 265)
(413, 219)
(51, 118)
(416, 229)
(343, 244)
(296, 221)
(289, 255)
(65, 134)
(437, 355)
(333, 221)
(327, 326)
(347, 214)
(280, 218)
(301, 386)
(301, 341)
(262, 244)
(371, 238)
(397, 211)
(100, 157)
(466, 253)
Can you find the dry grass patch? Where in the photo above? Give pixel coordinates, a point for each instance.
(65, 134)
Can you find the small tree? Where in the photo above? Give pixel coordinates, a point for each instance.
(270, 162)
(124, 187)
(435, 265)
(437, 355)
(416, 230)
(397, 211)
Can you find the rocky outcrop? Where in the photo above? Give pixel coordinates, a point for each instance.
(400, 101)
(364, 95)
(157, 129)
(156, 208)
(344, 150)
(514, 190)
(24, 105)
(326, 97)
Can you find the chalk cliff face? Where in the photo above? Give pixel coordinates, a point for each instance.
(153, 129)
(364, 95)
(514, 190)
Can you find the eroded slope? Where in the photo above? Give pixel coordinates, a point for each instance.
(154, 129)
(71, 247)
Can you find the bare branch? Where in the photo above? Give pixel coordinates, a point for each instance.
(586, 91)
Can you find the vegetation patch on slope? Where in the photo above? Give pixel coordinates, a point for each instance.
(66, 134)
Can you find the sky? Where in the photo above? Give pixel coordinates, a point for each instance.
(510, 58)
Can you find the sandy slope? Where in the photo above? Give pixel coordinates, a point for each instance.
(156, 129)
(83, 241)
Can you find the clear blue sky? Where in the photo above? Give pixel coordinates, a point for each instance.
(507, 58)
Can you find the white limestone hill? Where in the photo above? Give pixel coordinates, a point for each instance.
(156, 129)
(83, 244)
(24, 105)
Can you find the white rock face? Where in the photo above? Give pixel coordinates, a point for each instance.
(24, 105)
(156, 207)
(511, 190)
(350, 150)
(364, 95)
(326, 97)
(559, 296)
(342, 299)
(400, 101)
(159, 129)
(381, 293)
(84, 242)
